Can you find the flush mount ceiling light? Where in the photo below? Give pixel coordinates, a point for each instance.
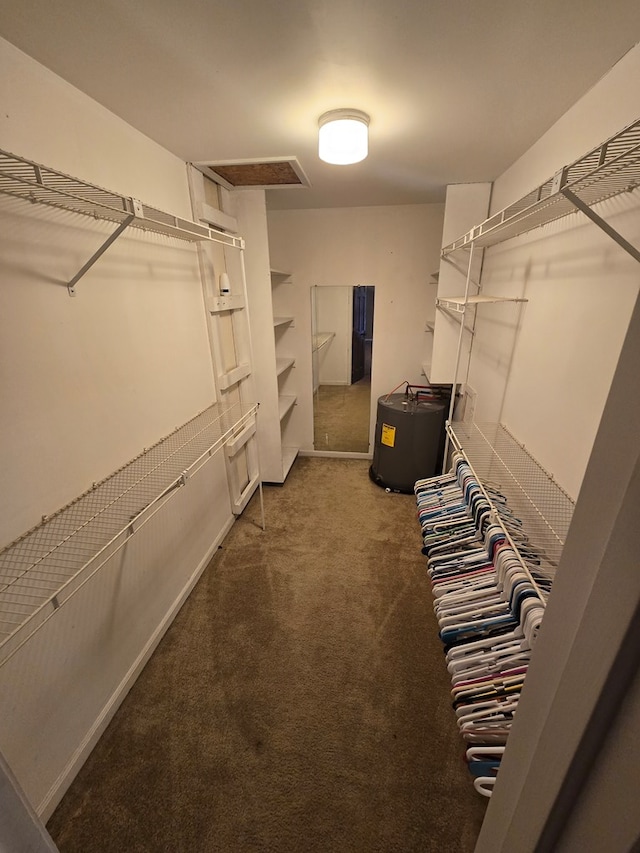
(343, 136)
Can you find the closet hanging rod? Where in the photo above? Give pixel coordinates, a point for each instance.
(532, 492)
(496, 517)
(42, 569)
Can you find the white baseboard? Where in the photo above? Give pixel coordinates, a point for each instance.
(335, 454)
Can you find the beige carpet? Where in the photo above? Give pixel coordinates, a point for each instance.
(341, 417)
(299, 702)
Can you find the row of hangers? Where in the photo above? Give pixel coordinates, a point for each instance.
(489, 601)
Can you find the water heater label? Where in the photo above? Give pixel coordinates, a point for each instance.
(388, 436)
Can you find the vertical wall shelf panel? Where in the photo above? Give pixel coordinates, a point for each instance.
(285, 367)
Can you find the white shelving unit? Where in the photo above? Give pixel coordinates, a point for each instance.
(285, 370)
(608, 170)
(46, 566)
(273, 308)
(584, 643)
(460, 307)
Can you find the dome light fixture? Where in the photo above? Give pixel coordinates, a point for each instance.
(343, 136)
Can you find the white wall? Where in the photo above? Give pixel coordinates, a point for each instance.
(544, 368)
(570, 773)
(393, 248)
(86, 383)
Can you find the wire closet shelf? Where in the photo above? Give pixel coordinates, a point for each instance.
(498, 459)
(39, 184)
(606, 171)
(42, 569)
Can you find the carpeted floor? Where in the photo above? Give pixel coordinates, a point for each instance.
(299, 702)
(341, 417)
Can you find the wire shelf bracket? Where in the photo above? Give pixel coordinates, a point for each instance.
(38, 184)
(71, 286)
(602, 224)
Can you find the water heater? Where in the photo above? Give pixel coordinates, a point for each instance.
(409, 441)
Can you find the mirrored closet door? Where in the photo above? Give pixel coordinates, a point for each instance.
(342, 343)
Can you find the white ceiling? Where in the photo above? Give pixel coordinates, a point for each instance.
(456, 89)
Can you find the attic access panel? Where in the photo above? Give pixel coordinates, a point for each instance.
(267, 174)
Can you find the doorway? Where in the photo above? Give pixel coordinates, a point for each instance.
(362, 333)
